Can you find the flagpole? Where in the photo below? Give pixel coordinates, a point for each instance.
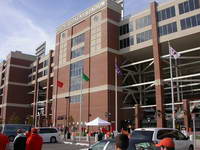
(172, 87)
(116, 105)
(81, 106)
(36, 105)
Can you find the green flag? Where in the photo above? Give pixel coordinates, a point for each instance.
(85, 77)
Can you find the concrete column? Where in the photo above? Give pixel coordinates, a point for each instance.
(35, 98)
(186, 110)
(157, 67)
(48, 91)
(137, 116)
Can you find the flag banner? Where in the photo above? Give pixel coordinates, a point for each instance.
(118, 70)
(85, 77)
(60, 84)
(174, 53)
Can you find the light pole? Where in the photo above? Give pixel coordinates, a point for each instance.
(194, 130)
(67, 111)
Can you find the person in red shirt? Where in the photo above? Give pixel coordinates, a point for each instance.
(34, 142)
(4, 142)
(28, 133)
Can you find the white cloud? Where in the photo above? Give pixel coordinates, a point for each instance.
(19, 32)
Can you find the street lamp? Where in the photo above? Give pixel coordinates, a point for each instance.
(149, 121)
(68, 112)
(194, 129)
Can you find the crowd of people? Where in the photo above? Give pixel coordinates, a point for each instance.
(29, 140)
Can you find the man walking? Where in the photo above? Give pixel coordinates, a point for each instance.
(34, 142)
(20, 140)
(4, 142)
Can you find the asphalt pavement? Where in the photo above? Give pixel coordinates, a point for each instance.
(49, 146)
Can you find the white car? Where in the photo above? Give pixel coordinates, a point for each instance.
(49, 134)
(156, 134)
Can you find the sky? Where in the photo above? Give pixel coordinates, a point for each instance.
(25, 24)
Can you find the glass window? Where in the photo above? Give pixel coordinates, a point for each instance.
(144, 36)
(121, 44)
(75, 75)
(174, 27)
(181, 8)
(183, 24)
(167, 29)
(191, 5)
(194, 21)
(130, 27)
(124, 29)
(196, 4)
(168, 13)
(120, 31)
(166, 133)
(198, 19)
(180, 136)
(78, 39)
(143, 22)
(188, 22)
(77, 52)
(173, 12)
(146, 135)
(160, 31)
(131, 40)
(186, 6)
(44, 131)
(163, 14)
(75, 99)
(159, 16)
(126, 42)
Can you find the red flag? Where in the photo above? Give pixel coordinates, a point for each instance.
(60, 84)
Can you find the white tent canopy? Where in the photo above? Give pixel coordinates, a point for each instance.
(98, 122)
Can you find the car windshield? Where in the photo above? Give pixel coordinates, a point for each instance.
(145, 135)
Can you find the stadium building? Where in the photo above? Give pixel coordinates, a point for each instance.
(135, 69)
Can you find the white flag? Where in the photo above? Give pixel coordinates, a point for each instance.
(174, 53)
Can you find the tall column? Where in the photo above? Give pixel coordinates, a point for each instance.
(137, 116)
(186, 110)
(49, 90)
(35, 99)
(56, 73)
(157, 67)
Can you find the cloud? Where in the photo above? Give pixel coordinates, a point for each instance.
(19, 32)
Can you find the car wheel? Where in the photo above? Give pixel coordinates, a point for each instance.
(11, 138)
(191, 147)
(53, 140)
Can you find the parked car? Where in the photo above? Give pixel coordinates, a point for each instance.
(49, 134)
(156, 134)
(10, 129)
(134, 144)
